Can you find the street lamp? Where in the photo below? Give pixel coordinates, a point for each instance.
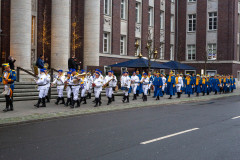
(137, 47)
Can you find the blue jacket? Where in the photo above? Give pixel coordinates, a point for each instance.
(170, 88)
(10, 79)
(40, 63)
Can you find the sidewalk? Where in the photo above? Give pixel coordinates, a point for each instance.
(24, 111)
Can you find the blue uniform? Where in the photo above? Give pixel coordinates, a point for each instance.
(170, 83)
(139, 88)
(158, 83)
(188, 86)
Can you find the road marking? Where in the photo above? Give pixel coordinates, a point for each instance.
(236, 117)
(168, 136)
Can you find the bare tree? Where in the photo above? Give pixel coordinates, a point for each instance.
(75, 37)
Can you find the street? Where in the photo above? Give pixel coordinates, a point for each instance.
(208, 130)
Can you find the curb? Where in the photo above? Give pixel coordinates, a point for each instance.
(74, 113)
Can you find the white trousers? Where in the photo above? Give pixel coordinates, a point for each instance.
(178, 86)
(69, 92)
(109, 92)
(83, 91)
(145, 89)
(163, 87)
(125, 92)
(134, 88)
(60, 92)
(42, 93)
(75, 91)
(7, 89)
(46, 91)
(97, 92)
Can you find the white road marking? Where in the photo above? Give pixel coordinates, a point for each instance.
(236, 117)
(168, 136)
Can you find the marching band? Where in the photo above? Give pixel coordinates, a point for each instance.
(84, 84)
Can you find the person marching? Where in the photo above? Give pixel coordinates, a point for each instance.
(179, 85)
(41, 82)
(68, 88)
(194, 83)
(170, 85)
(109, 82)
(203, 85)
(216, 84)
(208, 85)
(145, 83)
(189, 85)
(75, 83)
(164, 83)
(97, 85)
(134, 84)
(125, 86)
(198, 85)
(151, 78)
(8, 78)
(59, 81)
(89, 85)
(158, 83)
(233, 83)
(48, 78)
(139, 88)
(83, 86)
(114, 88)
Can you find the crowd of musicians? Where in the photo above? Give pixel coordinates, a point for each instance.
(81, 85)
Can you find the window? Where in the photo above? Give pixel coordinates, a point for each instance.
(192, 0)
(211, 72)
(162, 20)
(162, 71)
(161, 51)
(33, 33)
(123, 9)
(192, 23)
(172, 1)
(172, 24)
(137, 12)
(212, 21)
(107, 7)
(123, 45)
(171, 53)
(106, 69)
(191, 72)
(150, 16)
(212, 51)
(139, 48)
(123, 69)
(106, 40)
(191, 52)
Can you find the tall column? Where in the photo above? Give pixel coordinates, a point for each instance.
(20, 32)
(60, 43)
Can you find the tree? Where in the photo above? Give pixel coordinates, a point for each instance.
(75, 37)
(152, 53)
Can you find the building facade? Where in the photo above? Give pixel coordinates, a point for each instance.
(201, 33)
(208, 35)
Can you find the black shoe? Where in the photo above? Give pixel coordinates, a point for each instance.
(58, 99)
(170, 97)
(38, 103)
(63, 101)
(11, 104)
(157, 98)
(6, 110)
(43, 103)
(73, 104)
(109, 101)
(100, 102)
(124, 98)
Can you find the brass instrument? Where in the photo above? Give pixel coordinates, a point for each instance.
(116, 88)
(46, 65)
(78, 78)
(107, 84)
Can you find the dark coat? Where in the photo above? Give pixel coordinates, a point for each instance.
(11, 64)
(72, 64)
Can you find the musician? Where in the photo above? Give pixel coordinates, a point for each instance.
(164, 83)
(145, 85)
(135, 82)
(59, 81)
(125, 86)
(233, 83)
(170, 85)
(158, 83)
(47, 85)
(41, 82)
(114, 88)
(75, 83)
(198, 85)
(179, 84)
(89, 85)
(208, 85)
(97, 85)
(109, 81)
(216, 84)
(139, 88)
(188, 85)
(203, 85)
(68, 88)
(8, 78)
(101, 76)
(225, 83)
(83, 86)
(151, 78)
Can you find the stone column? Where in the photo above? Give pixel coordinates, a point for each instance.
(60, 43)
(20, 32)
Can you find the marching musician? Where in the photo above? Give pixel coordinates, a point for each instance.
(179, 84)
(203, 85)
(75, 83)
(164, 83)
(41, 82)
(59, 81)
(89, 85)
(139, 88)
(48, 78)
(115, 87)
(151, 78)
(208, 85)
(68, 89)
(109, 81)
(198, 84)
(158, 83)
(134, 84)
(145, 82)
(170, 85)
(188, 85)
(125, 86)
(8, 78)
(83, 86)
(97, 85)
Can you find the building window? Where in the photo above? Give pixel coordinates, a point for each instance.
(123, 45)
(192, 0)
(106, 69)
(161, 51)
(212, 51)
(33, 33)
(192, 23)
(123, 9)
(138, 12)
(139, 48)
(106, 40)
(171, 53)
(191, 52)
(150, 16)
(107, 7)
(190, 72)
(173, 1)
(172, 24)
(212, 21)
(162, 20)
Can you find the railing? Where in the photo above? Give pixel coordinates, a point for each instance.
(24, 70)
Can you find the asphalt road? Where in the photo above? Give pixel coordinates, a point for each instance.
(196, 131)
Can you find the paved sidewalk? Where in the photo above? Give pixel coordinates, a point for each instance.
(24, 111)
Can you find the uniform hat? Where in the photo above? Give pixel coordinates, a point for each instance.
(145, 74)
(198, 75)
(73, 70)
(97, 73)
(110, 71)
(5, 64)
(60, 70)
(42, 70)
(69, 72)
